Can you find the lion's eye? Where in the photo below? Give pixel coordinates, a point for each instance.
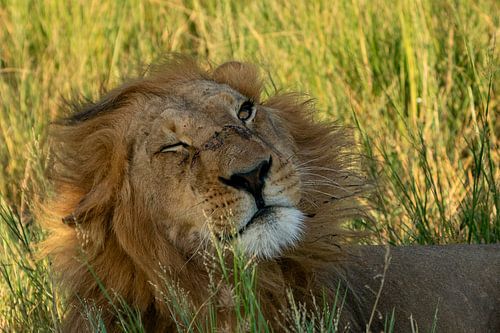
(173, 147)
(246, 113)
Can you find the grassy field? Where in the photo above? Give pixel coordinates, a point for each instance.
(416, 79)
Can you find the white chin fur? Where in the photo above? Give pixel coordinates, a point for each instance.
(267, 239)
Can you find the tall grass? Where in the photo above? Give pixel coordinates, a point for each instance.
(418, 80)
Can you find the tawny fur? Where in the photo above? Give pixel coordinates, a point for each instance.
(103, 228)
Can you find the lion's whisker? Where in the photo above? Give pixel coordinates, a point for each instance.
(314, 183)
(324, 193)
(320, 176)
(305, 197)
(343, 174)
(308, 161)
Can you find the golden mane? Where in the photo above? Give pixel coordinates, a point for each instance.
(93, 215)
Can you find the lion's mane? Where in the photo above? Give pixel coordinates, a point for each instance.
(99, 235)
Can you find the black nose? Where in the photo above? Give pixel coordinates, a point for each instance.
(251, 181)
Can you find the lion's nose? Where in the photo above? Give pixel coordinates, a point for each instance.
(251, 181)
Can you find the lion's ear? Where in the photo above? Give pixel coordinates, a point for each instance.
(240, 76)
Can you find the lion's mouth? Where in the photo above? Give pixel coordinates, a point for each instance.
(270, 231)
(263, 215)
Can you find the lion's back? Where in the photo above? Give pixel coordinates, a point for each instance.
(454, 288)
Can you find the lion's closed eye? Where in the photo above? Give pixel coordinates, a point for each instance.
(173, 148)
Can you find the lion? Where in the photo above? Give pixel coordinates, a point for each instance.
(167, 165)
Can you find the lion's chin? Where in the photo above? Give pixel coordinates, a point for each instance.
(271, 231)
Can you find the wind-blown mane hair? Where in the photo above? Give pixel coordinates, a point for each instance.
(99, 230)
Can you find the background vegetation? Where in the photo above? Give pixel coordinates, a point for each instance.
(415, 78)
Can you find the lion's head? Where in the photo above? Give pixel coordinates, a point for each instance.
(168, 162)
(207, 160)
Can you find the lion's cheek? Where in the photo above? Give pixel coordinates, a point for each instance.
(184, 236)
(228, 214)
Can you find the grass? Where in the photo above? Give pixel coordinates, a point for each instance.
(417, 79)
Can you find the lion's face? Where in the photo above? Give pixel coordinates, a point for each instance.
(209, 162)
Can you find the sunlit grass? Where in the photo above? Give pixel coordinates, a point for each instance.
(417, 78)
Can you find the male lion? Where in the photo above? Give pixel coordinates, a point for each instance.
(149, 177)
